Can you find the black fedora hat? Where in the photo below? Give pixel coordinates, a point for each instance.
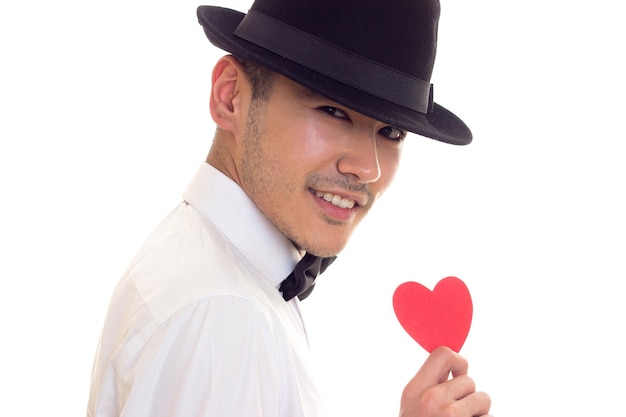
(373, 56)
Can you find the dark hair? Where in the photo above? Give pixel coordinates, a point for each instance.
(261, 79)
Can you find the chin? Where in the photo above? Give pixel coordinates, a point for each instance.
(325, 249)
(322, 241)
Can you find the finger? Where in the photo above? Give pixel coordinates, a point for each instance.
(438, 366)
(457, 388)
(475, 404)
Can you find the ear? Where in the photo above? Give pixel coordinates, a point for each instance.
(228, 93)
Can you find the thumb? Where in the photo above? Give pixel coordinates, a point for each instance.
(438, 366)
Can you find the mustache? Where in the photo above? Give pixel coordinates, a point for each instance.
(317, 181)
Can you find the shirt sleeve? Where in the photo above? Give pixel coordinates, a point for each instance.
(217, 357)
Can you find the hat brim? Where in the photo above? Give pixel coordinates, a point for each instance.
(440, 124)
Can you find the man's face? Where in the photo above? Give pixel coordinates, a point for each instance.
(314, 167)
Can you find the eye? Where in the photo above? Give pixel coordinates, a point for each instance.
(334, 111)
(392, 133)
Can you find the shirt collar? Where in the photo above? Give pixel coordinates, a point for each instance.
(224, 202)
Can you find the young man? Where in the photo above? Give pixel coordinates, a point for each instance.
(311, 112)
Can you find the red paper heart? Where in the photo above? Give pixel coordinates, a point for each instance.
(441, 317)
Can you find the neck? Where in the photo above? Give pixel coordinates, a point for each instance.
(221, 157)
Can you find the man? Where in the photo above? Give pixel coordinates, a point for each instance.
(311, 112)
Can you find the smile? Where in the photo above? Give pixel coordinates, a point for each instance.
(336, 200)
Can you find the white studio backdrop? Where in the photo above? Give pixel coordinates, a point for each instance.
(104, 118)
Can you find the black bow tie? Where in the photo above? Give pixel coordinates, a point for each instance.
(302, 280)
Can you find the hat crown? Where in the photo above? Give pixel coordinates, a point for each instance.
(375, 57)
(399, 34)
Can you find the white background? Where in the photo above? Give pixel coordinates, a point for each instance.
(104, 119)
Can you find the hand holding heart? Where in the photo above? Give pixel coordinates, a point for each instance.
(439, 321)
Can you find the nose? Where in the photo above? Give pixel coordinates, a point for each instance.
(360, 159)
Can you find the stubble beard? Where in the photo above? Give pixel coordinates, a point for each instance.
(258, 171)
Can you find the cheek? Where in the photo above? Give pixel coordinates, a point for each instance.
(310, 145)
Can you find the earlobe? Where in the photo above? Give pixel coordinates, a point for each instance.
(225, 94)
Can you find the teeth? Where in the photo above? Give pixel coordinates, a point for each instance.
(336, 200)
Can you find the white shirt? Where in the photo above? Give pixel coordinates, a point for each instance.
(197, 326)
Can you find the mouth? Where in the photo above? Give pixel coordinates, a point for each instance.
(336, 200)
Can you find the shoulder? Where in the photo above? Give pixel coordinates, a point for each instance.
(187, 259)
